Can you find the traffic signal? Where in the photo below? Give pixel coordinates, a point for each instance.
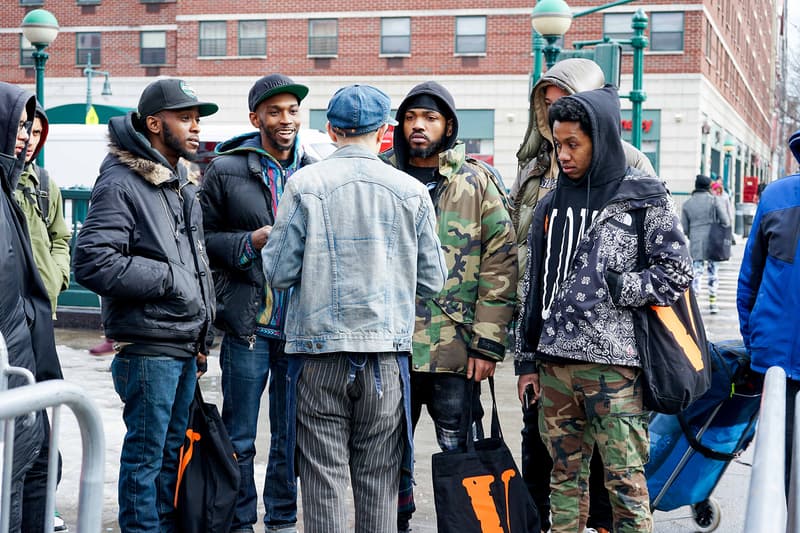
(607, 55)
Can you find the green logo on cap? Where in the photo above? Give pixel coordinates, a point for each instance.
(188, 91)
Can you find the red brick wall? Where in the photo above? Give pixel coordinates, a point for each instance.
(432, 42)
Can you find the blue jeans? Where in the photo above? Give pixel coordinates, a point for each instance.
(244, 378)
(156, 391)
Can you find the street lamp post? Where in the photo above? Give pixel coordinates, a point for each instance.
(728, 147)
(637, 94)
(550, 19)
(89, 72)
(40, 27)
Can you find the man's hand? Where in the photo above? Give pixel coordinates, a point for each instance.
(479, 369)
(525, 380)
(259, 237)
(202, 364)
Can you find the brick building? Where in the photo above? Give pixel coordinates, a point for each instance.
(709, 67)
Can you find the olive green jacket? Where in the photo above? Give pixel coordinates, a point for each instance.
(470, 316)
(49, 241)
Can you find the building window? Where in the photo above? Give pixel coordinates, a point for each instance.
(153, 48)
(25, 52)
(396, 36)
(666, 32)
(618, 26)
(88, 2)
(323, 37)
(88, 46)
(470, 35)
(31, 2)
(213, 38)
(253, 38)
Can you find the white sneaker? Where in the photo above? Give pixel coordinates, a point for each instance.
(58, 524)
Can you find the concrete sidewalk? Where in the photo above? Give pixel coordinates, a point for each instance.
(92, 373)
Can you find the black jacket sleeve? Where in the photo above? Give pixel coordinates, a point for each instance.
(225, 247)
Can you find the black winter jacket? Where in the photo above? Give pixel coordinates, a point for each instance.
(25, 315)
(236, 201)
(142, 248)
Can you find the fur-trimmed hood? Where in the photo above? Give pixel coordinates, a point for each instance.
(132, 148)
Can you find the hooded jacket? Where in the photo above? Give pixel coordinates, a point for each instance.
(25, 318)
(537, 162)
(469, 317)
(237, 198)
(768, 294)
(49, 238)
(141, 247)
(588, 315)
(697, 214)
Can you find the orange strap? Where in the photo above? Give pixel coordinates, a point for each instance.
(184, 459)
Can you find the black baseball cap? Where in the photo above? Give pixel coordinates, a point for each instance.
(274, 84)
(171, 93)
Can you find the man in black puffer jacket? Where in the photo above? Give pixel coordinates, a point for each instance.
(25, 315)
(240, 194)
(141, 249)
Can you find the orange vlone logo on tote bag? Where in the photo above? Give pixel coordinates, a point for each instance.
(480, 495)
(682, 336)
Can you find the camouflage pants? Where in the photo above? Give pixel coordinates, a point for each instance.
(584, 404)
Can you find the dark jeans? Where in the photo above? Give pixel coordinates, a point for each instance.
(34, 495)
(536, 467)
(444, 395)
(156, 391)
(245, 374)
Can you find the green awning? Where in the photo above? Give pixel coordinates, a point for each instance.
(76, 113)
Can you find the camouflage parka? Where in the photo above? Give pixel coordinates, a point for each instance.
(473, 311)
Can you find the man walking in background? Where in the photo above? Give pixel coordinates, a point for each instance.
(142, 250)
(240, 194)
(356, 240)
(697, 214)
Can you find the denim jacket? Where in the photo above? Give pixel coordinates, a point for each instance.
(357, 239)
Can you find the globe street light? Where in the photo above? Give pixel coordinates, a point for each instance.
(551, 19)
(40, 27)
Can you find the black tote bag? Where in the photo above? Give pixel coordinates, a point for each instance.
(208, 473)
(480, 489)
(676, 367)
(720, 238)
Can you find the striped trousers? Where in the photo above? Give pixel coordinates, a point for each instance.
(350, 430)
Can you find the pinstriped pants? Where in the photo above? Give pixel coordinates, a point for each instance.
(348, 431)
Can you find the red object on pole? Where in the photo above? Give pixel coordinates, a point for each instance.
(750, 189)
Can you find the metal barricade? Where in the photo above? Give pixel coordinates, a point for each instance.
(766, 509)
(27, 401)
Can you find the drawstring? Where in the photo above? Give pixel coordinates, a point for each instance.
(357, 364)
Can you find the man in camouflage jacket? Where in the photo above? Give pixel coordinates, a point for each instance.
(460, 334)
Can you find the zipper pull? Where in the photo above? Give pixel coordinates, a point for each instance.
(251, 342)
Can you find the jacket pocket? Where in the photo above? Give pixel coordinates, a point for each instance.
(182, 303)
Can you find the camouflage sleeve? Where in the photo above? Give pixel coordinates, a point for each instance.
(497, 285)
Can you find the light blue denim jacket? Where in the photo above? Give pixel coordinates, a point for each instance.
(357, 239)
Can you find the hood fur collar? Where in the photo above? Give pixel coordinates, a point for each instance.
(151, 171)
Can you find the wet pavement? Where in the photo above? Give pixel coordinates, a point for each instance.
(93, 373)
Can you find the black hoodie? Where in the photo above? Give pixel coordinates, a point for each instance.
(577, 202)
(443, 96)
(25, 316)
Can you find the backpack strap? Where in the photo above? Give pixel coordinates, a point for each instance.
(39, 195)
(43, 193)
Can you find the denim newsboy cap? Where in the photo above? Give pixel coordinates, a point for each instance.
(359, 109)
